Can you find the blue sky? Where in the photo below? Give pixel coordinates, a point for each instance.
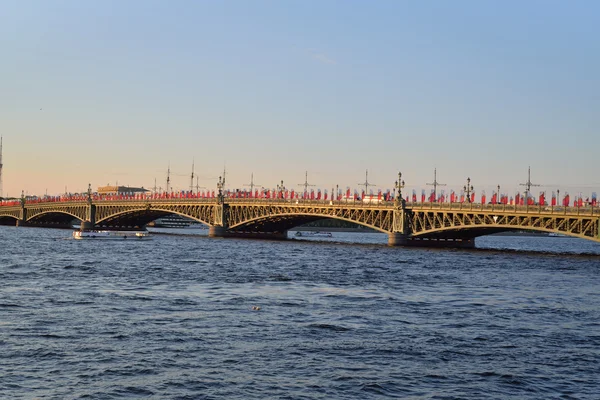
(276, 88)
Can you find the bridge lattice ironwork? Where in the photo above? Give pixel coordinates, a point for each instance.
(413, 221)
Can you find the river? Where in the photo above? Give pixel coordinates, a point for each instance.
(347, 317)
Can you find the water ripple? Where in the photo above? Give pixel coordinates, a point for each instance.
(193, 318)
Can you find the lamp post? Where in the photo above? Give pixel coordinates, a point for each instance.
(399, 185)
(89, 193)
(220, 189)
(468, 189)
(337, 189)
(280, 189)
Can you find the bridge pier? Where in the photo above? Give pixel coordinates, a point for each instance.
(397, 239)
(86, 226)
(20, 222)
(217, 231)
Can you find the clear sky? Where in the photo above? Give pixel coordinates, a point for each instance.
(114, 91)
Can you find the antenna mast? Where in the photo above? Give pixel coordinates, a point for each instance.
(435, 184)
(528, 184)
(305, 184)
(366, 182)
(168, 178)
(252, 184)
(198, 187)
(192, 178)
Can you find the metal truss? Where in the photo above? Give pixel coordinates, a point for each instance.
(113, 211)
(41, 211)
(11, 212)
(466, 224)
(429, 220)
(287, 215)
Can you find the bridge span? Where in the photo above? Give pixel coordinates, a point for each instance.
(405, 223)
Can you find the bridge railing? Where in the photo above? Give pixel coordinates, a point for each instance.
(500, 208)
(504, 208)
(304, 202)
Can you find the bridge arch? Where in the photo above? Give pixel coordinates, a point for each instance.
(53, 216)
(141, 216)
(9, 220)
(474, 231)
(283, 222)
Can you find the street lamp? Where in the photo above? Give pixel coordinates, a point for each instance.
(89, 193)
(468, 189)
(281, 189)
(220, 188)
(399, 185)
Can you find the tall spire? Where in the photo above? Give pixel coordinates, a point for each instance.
(0, 166)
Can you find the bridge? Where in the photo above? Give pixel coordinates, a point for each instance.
(435, 224)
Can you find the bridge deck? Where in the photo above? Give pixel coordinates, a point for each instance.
(419, 220)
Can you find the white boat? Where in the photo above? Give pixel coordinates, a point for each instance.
(554, 234)
(176, 221)
(313, 234)
(106, 235)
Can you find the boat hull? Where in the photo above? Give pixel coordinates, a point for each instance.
(110, 235)
(313, 234)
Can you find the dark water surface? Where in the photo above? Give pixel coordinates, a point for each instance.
(172, 318)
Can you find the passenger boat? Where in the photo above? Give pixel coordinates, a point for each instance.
(106, 235)
(313, 234)
(176, 221)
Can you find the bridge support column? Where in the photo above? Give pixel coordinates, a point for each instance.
(399, 236)
(397, 239)
(217, 231)
(91, 215)
(23, 220)
(86, 225)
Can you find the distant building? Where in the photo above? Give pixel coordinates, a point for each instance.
(120, 190)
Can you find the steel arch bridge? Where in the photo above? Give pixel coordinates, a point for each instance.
(419, 224)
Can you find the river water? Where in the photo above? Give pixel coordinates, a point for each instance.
(340, 318)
